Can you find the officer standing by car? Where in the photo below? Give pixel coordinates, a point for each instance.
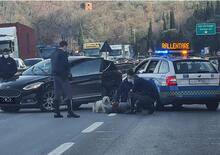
(8, 66)
(61, 74)
(142, 95)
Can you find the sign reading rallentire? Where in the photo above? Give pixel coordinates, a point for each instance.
(176, 46)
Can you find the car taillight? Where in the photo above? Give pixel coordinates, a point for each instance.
(171, 81)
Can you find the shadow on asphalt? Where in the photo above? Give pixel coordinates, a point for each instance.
(22, 111)
(88, 108)
(185, 109)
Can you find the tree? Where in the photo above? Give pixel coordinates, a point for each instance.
(80, 38)
(164, 22)
(172, 20)
(217, 8)
(150, 44)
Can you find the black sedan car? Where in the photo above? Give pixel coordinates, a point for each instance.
(92, 78)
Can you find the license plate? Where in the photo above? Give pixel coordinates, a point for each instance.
(198, 81)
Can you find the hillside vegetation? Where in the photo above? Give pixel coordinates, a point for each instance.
(117, 22)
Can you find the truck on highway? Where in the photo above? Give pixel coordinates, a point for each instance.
(92, 49)
(18, 39)
(120, 51)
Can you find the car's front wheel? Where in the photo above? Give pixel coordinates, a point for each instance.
(47, 100)
(212, 106)
(10, 109)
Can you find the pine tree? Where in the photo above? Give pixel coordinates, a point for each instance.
(164, 22)
(217, 8)
(150, 43)
(80, 38)
(172, 20)
(131, 39)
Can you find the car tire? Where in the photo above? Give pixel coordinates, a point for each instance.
(10, 109)
(47, 100)
(212, 106)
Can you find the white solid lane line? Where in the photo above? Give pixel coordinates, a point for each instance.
(92, 127)
(60, 149)
(112, 114)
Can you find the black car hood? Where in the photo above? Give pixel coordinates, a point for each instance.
(21, 81)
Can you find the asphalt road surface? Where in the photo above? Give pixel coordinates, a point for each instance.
(189, 131)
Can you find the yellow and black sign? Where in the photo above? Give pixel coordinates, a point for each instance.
(91, 45)
(176, 46)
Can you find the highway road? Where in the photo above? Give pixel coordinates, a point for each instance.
(191, 130)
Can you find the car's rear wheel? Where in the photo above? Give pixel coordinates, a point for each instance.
(212, 106)
(10, 109)
(47, 101)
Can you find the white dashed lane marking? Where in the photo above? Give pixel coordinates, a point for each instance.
(92, 127)
(61, 149)
(112, 114)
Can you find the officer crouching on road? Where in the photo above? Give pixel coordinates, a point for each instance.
(142, 95)
(61, 74)
(120, 101)
(8, 66)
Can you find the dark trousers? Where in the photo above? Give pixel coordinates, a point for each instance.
(141, 101)
(62, 89)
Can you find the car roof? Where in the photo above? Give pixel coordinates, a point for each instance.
(78, 58)
(176, 58)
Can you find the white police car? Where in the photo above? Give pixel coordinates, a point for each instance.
(182, 80)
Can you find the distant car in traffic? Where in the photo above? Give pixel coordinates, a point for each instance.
(181, 81)
(20, 65)
(91, 79)
(32, 61)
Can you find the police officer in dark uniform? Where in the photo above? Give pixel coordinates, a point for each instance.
(8, 66)
(61, 73)
(143, 93)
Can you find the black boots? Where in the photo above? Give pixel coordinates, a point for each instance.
(70, 114)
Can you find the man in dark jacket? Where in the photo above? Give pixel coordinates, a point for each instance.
(143, 94)
(8, 66)
(61, 73)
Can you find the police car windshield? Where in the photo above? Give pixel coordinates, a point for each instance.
(193, 67)
(41, 68)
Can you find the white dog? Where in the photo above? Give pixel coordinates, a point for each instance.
(103, 105)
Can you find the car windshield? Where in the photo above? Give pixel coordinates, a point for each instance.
(91, 52)
(193, 67)
(41, 68)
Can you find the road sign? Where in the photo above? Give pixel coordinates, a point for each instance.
(205, 29)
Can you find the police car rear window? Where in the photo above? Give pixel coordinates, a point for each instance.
(193, 67)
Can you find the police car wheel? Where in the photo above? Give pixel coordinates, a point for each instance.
(10, 109)
(47, 101)
(212, 106)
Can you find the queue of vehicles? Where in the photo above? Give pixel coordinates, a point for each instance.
(178, 80)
